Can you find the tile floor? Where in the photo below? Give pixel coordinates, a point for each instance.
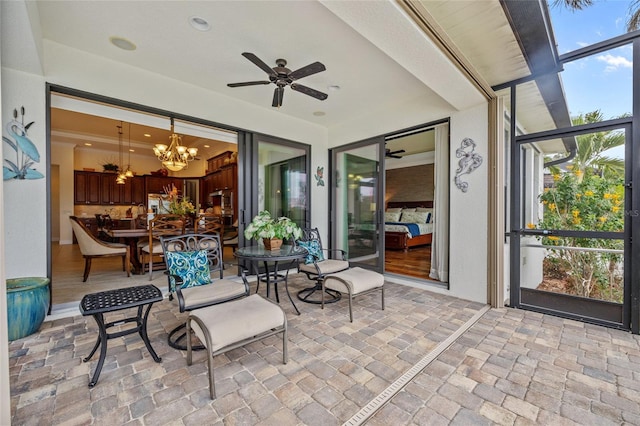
(509, 367)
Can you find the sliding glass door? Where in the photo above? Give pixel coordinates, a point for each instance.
(274, 177)
(357, 201)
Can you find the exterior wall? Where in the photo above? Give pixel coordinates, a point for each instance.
(25, 201)
(468, 210)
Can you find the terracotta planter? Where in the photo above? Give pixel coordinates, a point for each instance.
(27, 305)
(272, 244)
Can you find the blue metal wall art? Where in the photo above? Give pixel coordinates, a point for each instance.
(26, 153)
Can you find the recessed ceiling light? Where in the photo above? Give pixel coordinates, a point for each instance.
(122, 43)
(132, 150)
(319, 113)
(147, 135)
(87, 144)
(207, 146)
(199, 23)
(334, 88)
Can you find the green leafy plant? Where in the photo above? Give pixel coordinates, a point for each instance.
(266, 226)
(177, 204)
(585, 201)
(110, 167)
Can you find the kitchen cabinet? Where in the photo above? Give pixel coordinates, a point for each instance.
(156, 184)
(87, 187)
(134, 192)
(110, 191)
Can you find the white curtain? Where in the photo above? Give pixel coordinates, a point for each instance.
(440, 242)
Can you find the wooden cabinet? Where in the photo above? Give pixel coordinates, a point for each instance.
(87, 187)
(156, 184)
(216, 163)
(110, 191)
(102, 189)
(134, 192)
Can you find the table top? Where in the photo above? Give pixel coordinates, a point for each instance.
(117, 233)
(285, 252)
(122, 298)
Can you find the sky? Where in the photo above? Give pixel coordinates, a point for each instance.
(603, 81)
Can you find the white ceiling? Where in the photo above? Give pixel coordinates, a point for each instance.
(376, 55)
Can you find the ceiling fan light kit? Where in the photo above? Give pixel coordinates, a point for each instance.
(282, 76)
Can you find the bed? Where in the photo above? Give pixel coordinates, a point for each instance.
(400, 234)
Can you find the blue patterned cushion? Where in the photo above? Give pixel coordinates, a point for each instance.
(191, 266)
(314, 249)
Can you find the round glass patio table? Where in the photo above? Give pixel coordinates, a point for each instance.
(271, 258)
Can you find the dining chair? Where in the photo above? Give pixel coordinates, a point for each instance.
(161, 225)
(92, 247)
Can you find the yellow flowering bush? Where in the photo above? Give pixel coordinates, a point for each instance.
(585, 202)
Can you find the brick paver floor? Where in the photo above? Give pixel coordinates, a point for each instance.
(510, 367)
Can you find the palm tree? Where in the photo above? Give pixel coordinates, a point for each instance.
(633, 22)
(592, 147)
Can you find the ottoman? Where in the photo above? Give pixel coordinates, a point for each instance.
(354, 282)
(230, 325)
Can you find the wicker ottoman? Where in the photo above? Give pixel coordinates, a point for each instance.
(230, 325)
(354, 281)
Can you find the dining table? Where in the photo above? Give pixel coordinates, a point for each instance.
(289, 254)
(130, 237)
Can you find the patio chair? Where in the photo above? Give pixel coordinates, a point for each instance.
(192, 262)
(316, 266)
(91, 247)
(161, 225)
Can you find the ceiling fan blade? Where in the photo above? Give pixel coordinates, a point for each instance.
(248, 83)
(309, 91)
(399, 151)
(278, 95)
(310, 69)
(253, 58)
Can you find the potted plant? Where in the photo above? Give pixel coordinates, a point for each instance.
(110, 167)
(272, 230)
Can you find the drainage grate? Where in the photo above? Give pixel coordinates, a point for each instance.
(376, 403)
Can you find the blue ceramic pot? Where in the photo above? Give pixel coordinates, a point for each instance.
(27, 305)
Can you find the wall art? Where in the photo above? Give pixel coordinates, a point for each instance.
(319, 176)
(469, 161)
(26, 153)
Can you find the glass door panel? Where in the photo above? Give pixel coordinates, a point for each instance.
(572, 248)
(357, 203)
(283, 181)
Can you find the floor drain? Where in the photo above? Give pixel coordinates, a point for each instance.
(376, 403)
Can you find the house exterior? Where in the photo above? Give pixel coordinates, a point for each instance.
(459, 60)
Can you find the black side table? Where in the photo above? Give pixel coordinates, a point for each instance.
(97, 304)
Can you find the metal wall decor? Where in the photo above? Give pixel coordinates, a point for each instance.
(319, 176)
(26, 152)
(469, 161)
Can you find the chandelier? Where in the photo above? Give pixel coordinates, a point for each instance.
(176, 156)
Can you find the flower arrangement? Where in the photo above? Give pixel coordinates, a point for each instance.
(177, 204)
(266, 227)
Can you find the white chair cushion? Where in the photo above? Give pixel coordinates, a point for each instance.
(357, 278)
(327, 266)
(234, 321)
(157, 248)
(217, 290)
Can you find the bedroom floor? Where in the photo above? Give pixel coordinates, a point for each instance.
(415, 262)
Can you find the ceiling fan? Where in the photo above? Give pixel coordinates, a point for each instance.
(282, 76)
(393, 154)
